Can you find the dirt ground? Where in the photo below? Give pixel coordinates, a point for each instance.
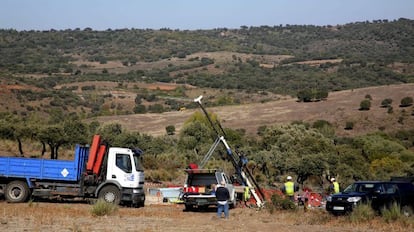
(43, 216)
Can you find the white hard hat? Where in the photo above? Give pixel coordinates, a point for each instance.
(332, 179)
(288, 177)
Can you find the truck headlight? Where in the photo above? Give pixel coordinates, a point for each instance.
(137, 191)
(354, 199)
(329, 198)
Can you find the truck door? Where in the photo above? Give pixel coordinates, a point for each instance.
(121, 169)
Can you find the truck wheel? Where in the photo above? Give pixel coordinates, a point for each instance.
(110, 194)
(189, 207)
(233, 203)
(16, 191)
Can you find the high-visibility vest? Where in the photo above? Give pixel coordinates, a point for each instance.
(246, 194)
(336, 187)
(289, 188)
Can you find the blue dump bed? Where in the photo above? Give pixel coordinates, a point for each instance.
(45, 169)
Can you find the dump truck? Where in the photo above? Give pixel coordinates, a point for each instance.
(98, 171)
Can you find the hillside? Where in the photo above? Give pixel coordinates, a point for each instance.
(136, 74)
(339, 108)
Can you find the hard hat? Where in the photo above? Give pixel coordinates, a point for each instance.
(288, 177)
(332, 179)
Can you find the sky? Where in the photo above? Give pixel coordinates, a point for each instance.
(193, 14)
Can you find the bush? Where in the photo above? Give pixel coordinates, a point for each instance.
(349, 125)
(170, 129)
(102, 208)
(365, 105)
(386, 102)
(392, 213)
(362, 213)
(407, 101)
(279, 202)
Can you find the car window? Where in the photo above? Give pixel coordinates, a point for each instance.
(390, 188)
(365, 188)
(350, 188)
(123, 161)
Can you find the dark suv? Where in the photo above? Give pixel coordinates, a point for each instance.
(379, 193)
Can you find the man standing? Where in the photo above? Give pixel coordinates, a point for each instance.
(222, 195)
(289, 188)
(334, 186)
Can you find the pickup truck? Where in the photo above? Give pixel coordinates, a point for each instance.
(379, 194)
(199, 188)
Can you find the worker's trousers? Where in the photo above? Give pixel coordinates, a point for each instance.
(223, 208)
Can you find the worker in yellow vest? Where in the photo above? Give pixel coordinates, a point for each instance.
(289, 188)
(246, 196)
(334, 186)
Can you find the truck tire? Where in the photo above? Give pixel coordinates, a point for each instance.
(188, 207)
(233, 203)
(17, 191)
(110, 194)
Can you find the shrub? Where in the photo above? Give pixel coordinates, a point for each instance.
(386, 102)
(407, 101)
(362, 213)
(365, 105)
(279, 202)
(102, 208)
(392, 213)
(170, 129)
(349, 125)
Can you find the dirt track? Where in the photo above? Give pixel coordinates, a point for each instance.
(170, 217)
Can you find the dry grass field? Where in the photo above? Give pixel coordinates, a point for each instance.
(339, 108)
(42, 216)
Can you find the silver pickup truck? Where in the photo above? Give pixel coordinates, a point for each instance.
(199, 188)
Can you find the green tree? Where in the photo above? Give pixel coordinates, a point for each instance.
(293, 146)
(365, 105)
(170, 129)
(140, 109)
(386, 102)
(110, 132)
(54, 136)
(305, 95)
(407, 101)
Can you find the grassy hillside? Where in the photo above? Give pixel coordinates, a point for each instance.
(122, 72)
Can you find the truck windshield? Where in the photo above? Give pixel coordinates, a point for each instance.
(138, 162)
